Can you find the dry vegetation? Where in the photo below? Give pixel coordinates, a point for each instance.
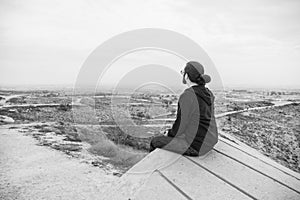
(274, 132)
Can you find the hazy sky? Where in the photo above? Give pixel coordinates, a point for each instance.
(253, 43)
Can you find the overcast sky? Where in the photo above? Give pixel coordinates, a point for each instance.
(253, 43)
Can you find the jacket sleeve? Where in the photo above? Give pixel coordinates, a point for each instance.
(183, 115)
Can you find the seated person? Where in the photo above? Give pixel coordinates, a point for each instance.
(194, 132)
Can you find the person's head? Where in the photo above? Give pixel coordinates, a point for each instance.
(194, 73)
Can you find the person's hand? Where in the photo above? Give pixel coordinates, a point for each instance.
(164, 132)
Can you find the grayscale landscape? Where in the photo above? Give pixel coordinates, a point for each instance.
(269, 122)
(85, 85)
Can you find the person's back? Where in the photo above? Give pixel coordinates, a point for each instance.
(207, 134)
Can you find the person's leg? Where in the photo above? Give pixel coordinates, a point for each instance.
(177, 145)
(159, 142)
(204, 149)
(191, 152)
(173, 144)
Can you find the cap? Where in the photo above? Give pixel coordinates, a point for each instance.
(195, 72)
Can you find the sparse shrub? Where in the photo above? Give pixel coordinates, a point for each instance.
(126, 158)
(140, 114)
(16, 100)
(118, 154)
(64, 107)
(104, 148)
(116, 135)
(45, 130)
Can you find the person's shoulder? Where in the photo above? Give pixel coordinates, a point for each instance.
(187, 94)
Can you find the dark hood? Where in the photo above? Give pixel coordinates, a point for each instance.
(204, 93)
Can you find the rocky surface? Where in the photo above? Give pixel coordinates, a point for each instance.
(6, 120)
(30, 171)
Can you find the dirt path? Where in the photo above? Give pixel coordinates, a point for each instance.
(28, 171)
(276, 104)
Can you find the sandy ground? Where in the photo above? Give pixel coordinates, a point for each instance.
(28, 171)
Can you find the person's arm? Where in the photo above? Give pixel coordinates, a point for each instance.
(183, 114)
(173, 131)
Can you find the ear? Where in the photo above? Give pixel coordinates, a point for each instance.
(187, 77)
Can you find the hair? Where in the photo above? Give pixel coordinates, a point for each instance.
(199, 80)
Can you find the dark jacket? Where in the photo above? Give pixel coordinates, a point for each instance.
(195, 118)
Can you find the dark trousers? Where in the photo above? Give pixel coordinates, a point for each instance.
(177, 145)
